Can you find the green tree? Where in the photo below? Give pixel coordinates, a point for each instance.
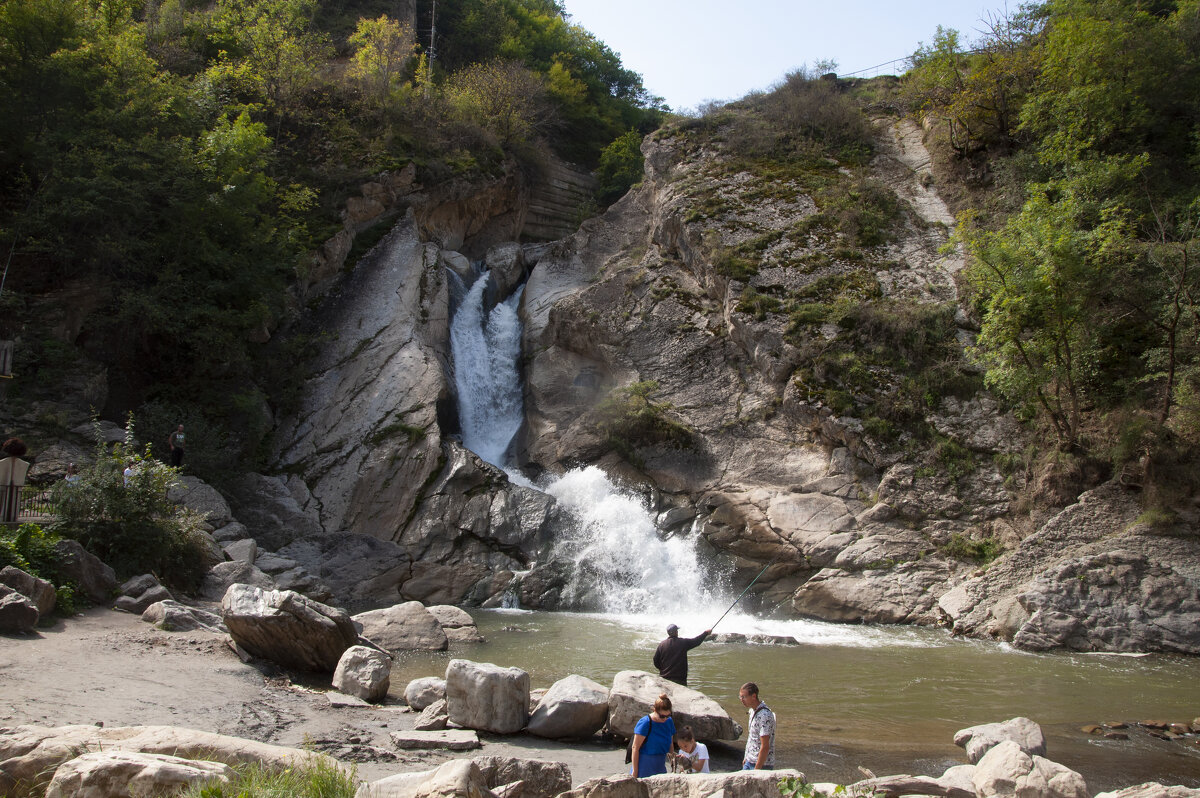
(384, 47)
(621, 166)
(504, 98)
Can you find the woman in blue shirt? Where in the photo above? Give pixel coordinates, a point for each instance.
(653, 739)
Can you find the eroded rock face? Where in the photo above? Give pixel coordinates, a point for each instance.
(633, 694)
(287, 628)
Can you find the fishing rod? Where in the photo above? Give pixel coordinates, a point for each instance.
(739, 598)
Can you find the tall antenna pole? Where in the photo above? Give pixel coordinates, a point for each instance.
(432, 48)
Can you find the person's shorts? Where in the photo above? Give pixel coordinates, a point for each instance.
(750, 766)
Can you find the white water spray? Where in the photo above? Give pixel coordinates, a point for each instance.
(622, 564)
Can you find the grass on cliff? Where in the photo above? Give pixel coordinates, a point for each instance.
(629, 420)
(315, 778)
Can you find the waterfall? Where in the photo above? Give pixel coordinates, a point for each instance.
(622, 564)
(486, 347)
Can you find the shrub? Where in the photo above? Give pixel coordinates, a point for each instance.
(31, 548)
(629, 420)
(128, 522)
(982, 551)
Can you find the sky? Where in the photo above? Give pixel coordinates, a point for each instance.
(692, 51)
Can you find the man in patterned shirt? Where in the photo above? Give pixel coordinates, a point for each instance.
(760, 736)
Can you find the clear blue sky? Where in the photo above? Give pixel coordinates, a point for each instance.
(689, 51)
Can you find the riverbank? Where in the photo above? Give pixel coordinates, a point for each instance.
(109, 667)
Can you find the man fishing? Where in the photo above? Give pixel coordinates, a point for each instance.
(671, 655)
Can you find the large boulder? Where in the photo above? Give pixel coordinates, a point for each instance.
(287, 628)
(420, 693)
(742, 784)
(76, 564)
(17, 613)
(633, 695)
(458, 778)
(537, 779)
(1008, 772)
(138, 604)
(480, 695)
(403, 627)
(1151, 789)
(978, 740)
(38, 591)
(364, 672)
(218, 579)
(120, 773)
(171, 616)
(197, 495)
(30, 754)
(457, 623)
(573, 707)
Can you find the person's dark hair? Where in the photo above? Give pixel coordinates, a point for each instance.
(751, 688)
(15, 447)
(686, 734)
(663, 702)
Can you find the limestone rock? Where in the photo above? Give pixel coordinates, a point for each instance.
(403, 627)
(448, 739)
(30, 754)
(457, 623)
(138, 604)
(506, 262)
(434, 717)
(573, 707)
(633, 694)
(537, 778)
(38, 591)
(420, 693)
(234, 530)
(122, 773)
(1112, 601)
(480, 695)
(356, 568)
(270, 510)
(743, 784)
(905, 593)
(1008, 772)
(978, 740)
(171, 616)
(196, 494)
(95, 579)
(363, 672)
(17, 613)
(1151, 789)
(223, 575)
(242, 550)
(285, 627)
(458, 778)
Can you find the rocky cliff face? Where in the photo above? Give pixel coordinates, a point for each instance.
(736, 399)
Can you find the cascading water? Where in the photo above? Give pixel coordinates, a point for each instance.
(622, 564)
(485, 346)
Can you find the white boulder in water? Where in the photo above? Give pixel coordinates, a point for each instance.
(480, 695)
(633, 694)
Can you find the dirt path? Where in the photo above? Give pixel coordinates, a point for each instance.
(107, 667)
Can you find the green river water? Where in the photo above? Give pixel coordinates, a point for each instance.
(888, 699)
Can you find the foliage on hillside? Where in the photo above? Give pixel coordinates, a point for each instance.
(177, 161)
(1087, 292)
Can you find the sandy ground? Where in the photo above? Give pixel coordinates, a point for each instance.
(111, 668)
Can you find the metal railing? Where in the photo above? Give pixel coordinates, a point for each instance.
(33, 504)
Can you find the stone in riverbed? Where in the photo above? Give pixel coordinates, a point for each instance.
(403, 627)
(422, 692)
(449, 739)
(1006, 771)
(1151, 789)
(171, 616)
(433, 717)
(287, 628)
(633, 694)
(573, 707)
(978, 740)
(363, 672)
(484, 696)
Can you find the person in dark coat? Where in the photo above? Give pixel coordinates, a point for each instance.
(671, 655)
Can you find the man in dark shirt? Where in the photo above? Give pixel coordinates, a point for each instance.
(671, 655)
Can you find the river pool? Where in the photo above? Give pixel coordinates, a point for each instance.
(885, 698)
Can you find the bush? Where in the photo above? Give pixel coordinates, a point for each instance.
(629, 420)
(31, 548)
(982, 551)
(128, 522)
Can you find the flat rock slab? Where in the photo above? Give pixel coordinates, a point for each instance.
(343, 700)
(450, 739)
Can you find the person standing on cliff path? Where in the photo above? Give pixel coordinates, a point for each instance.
(175, 442)
(671, 655)
(760, 733)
